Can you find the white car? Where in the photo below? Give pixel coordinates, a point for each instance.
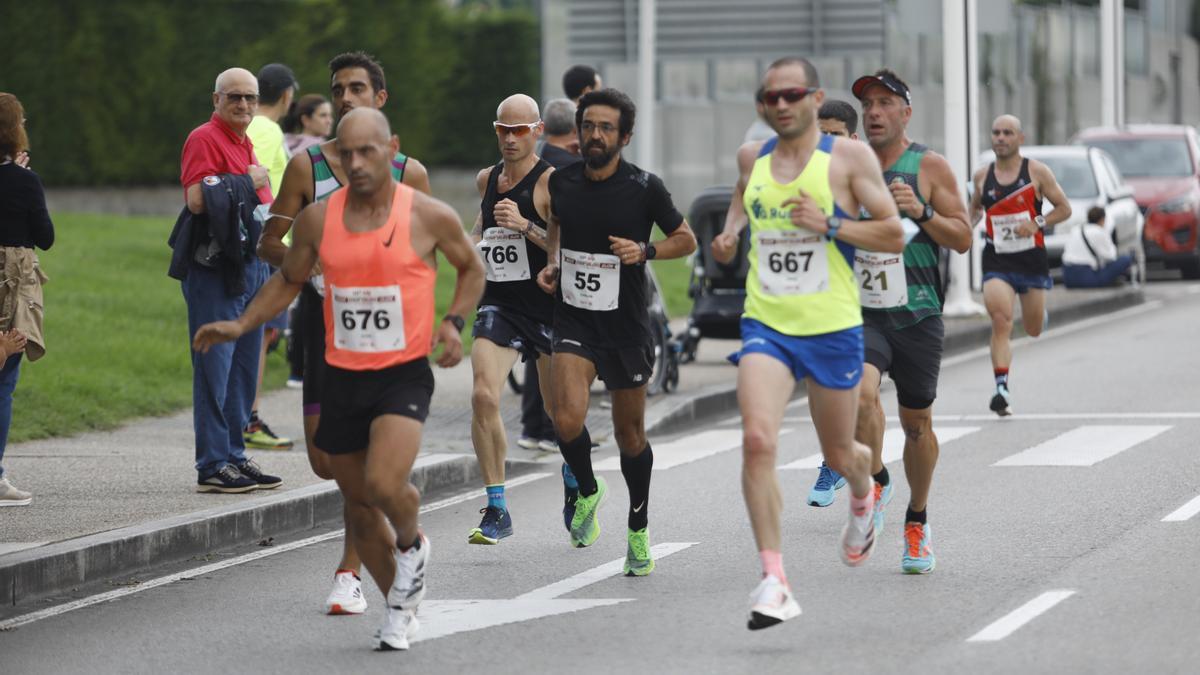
(1090, 178)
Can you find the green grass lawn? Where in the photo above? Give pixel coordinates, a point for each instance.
(116, 328)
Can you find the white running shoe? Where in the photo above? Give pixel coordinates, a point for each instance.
(398, 626)
(346, 596)
(11, 496)
(858, 536)
(408, 587)
(771, 603)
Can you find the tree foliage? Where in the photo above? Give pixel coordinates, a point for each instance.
(112, 89)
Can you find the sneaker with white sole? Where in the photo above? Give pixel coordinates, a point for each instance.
(858, 536)
(227, 480)
(11, 496)
(346, 596)
(527, 442)
(408, 586)
(771, 603)
(547, 445)
(398, 626)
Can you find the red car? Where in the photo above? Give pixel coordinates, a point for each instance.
(1162, 163)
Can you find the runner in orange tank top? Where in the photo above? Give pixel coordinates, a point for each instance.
(376, 241)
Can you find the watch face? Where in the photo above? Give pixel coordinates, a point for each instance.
(928, 211)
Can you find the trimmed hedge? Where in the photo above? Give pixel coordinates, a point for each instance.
(112, 89)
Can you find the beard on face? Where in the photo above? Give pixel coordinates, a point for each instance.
(596, 161)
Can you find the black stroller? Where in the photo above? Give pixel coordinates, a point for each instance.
(718, 291)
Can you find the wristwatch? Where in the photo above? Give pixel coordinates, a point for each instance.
(834, 224)
(651, 252)
(457, 321)
(926, 215)
(1041, 222)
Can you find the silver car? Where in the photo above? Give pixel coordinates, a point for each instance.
(1089, 177)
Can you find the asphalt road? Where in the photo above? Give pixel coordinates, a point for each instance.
(1053, 552)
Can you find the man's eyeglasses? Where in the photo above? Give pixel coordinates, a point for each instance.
(791, 95)
(518, 130)
(241, 98)
(588, 127)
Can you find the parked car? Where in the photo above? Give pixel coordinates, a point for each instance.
(1162, 163)
(1089, 178)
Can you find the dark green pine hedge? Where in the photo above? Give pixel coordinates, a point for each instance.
(111, 89)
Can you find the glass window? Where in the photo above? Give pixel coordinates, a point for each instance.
(1074, 174)
(1147, 157)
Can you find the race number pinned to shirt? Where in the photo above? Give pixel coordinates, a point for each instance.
(1004, 233)
(368, 318)
(504, 255)
(590, 280)
(1005, 216)
(882, 283)
(792, 262)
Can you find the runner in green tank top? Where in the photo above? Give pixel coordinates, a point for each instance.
(902, 305)
(356, 80)
(802, 319)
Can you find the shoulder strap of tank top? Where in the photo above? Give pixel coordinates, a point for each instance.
(1025, 170)
(826, 144)
(768, 146)
(538, 169)
(399, 163)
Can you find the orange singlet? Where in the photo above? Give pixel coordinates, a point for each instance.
(378, 291)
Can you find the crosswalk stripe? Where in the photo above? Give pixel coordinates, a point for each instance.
(1184, 512)
(893, 446)
(1084, 446)
(686, 449)
(1009, 623)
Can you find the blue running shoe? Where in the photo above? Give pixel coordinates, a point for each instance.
(570, 494)
(883, 495)
(496, 525)
(828, 481)
(918, 549)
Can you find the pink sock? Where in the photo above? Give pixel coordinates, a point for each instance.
(772, 563)
(859, 506)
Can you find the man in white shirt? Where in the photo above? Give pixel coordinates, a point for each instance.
(1090, 258)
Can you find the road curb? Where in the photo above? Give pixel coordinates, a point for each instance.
(36, 573)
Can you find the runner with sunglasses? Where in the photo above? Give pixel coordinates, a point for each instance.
(802, 319)
(356, 81)
(514, 315)
(602, 212)
(902, 299)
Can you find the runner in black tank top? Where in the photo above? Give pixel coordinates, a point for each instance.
(514, 314)
(1008, 195)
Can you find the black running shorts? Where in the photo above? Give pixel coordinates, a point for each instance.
(911, 356)
(625, 368)
(512, 329)
(352, 399)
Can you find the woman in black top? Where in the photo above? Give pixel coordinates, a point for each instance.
(24, 224)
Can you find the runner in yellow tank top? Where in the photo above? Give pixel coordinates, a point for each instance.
(802, 318)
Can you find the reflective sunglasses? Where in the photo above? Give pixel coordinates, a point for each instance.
(518, 130)
(791, 95)
(238, 98)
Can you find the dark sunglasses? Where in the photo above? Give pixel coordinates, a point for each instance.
(238, 98)
(791, 95)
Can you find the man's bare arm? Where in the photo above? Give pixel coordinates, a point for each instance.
(977, 196)
(292, 197)
(882, 232)
(481, 180)
(949, 226)
(1052, 191)
(416, 176)
(452, 241)
(724, 245)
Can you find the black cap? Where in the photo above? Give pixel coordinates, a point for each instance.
(892, 84)
(273, 80)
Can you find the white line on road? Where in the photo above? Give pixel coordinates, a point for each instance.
(1184, 512)
(1030, 417)
(1084, 446)
(893, 446)
(686, 449)
(49, 612)
(598, 573)
(1020, 616)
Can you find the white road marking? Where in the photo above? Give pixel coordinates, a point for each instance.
(737, 419)
(1020, 616)
(1022, 417)
(440, 618)
(893, 446)
(686, 449)
(203, 570)
(1084, 446)
(1184, 512)
(435, 458)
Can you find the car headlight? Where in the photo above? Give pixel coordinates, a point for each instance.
(1178, 205)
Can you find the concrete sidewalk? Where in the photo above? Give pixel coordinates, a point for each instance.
(130, 492)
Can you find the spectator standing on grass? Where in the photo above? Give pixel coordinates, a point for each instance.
(308, 122)
(214, 241)
(24, 224)
(276, 88)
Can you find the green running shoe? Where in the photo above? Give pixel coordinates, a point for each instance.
(638, 561)
(585, 526)
(259, 436)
